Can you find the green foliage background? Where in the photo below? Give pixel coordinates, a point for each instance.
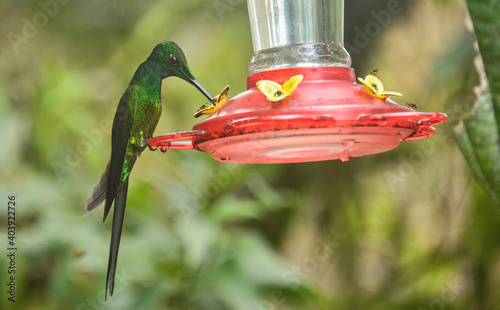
(406, 229)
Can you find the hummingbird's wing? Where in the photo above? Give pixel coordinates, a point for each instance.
(122, 125)
(117, 188)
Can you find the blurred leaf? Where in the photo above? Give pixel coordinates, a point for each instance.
(478, 135)
(485, 16)
(478, 138)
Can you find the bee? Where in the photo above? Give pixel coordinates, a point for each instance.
(375, 87)
(411, 106)
(275, 92)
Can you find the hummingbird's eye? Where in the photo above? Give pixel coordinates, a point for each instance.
(173, 60)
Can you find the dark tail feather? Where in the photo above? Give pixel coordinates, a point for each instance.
(116, 231)
(98, 194)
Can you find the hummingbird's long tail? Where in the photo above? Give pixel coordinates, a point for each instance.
(98, 194)
(116, 232)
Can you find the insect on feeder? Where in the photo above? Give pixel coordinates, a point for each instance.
(326, 116)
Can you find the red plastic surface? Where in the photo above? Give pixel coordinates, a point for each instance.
(328, 116)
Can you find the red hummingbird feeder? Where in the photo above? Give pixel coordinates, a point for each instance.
(327, 116)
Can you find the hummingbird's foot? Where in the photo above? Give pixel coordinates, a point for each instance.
(164, 150)
(155, 147)
(144, 143)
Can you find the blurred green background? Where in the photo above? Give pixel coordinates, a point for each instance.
(406, 229)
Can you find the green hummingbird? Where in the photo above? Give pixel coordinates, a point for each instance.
(135, 120)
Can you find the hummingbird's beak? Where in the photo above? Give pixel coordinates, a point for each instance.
(201, 89)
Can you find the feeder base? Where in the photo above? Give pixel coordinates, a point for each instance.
(304, 145)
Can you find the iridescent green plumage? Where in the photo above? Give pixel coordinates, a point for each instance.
(135, 120)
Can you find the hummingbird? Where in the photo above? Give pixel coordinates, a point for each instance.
(135, 120)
